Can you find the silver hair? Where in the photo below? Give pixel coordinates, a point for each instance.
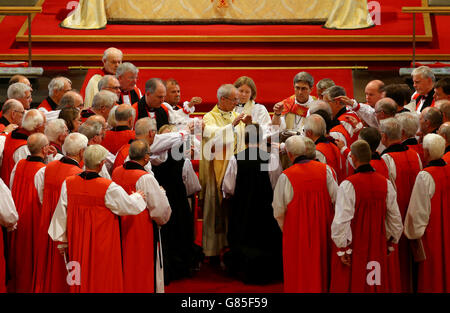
(387, 105)
(17, 90)
(444, 131)
(11, 104)
(109, 51)
(144, 126)
(433, 115)
(123, 114)
(125, 68)
(409, 122)
(55, 128)
(424, 71)
(316, 124)
(32, 119)
(392, 128)
(104, 98)
(94, 155)
(36, 142)
(435, 145)
(90, 130)
(320, 105)
(335, 91)
(304, 77)
(105, 81)
(138, 150)
(225, 91)
(74, 143)
(112, 117)
(325, 83)
(57, 84)
(152, 84)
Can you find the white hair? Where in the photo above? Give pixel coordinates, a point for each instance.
(316, 124)
(424, 71)
(144, 126)
(125, 68)
(392, 128)
(295, 145)
(409, 122)
(74, 143)
(94, 155)
(435, 145)
(109, 51)
(57, 84)
(55, 128)
(105, 81)
(17, 91)
(32, 119)
(104, 98)
(225, 91)
(320, 105)
(90, 130)
(36, 142)
(444, 131)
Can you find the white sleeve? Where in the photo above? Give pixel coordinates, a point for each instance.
(229, 180)
(190, 179)
(275, 168)
(13, 174)
(120, 203)
(2, 147)
(110, 158)
(156, 199)
(367, 114)
(320, 157)
(393, 222)
(341, 231)
(8, 212)
(21, 153)
(104, 172)
(58, 224)
(282, 196)
(339, 136)
(332, 185)
(260, 115)
(157, 159)
(177, 116)
(390, 163)
(419, 209)
(39, 183)
(164, 142)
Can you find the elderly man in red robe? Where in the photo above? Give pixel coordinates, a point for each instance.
(367, 223)
(427, 218)
(444, 131)
(403, 165)
(87, 218)
(137, 231)
(303, 207)
(122, 132)
(22, 241)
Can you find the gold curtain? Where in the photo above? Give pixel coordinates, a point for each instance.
(340, 14)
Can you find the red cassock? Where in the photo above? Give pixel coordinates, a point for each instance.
(379, 165)
(137, 239)
(121, 156)
(48, 104)
(116, 138)
(419, 149)
(407, 167)
(352, 119)
(13, 141)
(369, 241)
(50, 273)
(22, 241)
(334, 158)
(93, 236)
(307, 230)
(446, 157)
(434, 273)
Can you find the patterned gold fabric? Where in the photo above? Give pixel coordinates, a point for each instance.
(340, 14)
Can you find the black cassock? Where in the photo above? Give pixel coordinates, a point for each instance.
(254, 237)
(180, 253)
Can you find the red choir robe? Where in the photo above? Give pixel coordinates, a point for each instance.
(407, 167)
(93, 235)
(121, 155)
(307, 229)
(48, 104)
(379, 165)
(50, 274)
(413, 144)
(433, 273)
(446, 156)
(136, 235)
(117, 137)
(22, 241)
(368, 236)
(351, 118)
(134, 95)
(16, 139)
(333, 156)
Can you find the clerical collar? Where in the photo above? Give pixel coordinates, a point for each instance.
(365, 168)
(120, 128)
(87, 113)
(322, 139)
(447, 149)
(18, 134)
(67, 160)
(32, 158)
(301, 159)
(52, 103)
(224, 112)
(4, 121)
(88, 175)
(132, 165)
(376, 156)
(438, 162)
(410, 142)
(241, 105)
(396, 147)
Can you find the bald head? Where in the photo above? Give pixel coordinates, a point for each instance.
(374, 92)
(36, 144)
(139, 149)
(124, 115)
(34, 121)
(71, 99)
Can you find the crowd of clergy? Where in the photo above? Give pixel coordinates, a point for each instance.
(102, 192)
